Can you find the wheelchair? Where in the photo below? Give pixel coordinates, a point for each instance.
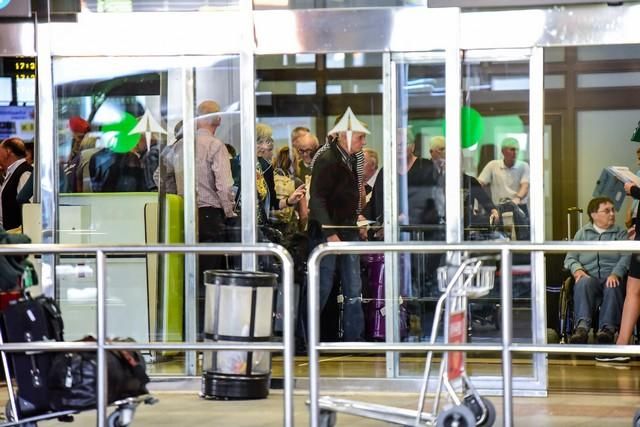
(566, 312)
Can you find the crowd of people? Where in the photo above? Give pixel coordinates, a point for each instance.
(326, 192)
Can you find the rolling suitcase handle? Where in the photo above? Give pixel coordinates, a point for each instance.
(573, 211)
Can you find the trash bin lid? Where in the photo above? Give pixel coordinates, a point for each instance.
(240, 278)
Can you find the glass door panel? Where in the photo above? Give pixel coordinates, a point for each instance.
(125, 177)
(495, 112)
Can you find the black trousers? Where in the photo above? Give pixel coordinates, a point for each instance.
(211, 229)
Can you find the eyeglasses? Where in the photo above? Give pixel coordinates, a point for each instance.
(607, 211)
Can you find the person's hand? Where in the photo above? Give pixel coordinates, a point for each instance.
(579, 274)
(296, 196)
(516, 200)
(363, 232)
(333, 238)
(613, 281)
(494, 216)
(627, 187)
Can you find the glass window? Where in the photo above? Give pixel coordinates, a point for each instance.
(120, 145)
(266, 88)
(300, 60)
(353, 86)
(589, 80)
(608, 53)
(355, 60)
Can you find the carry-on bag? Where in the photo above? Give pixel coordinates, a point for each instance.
(375, 308)
(29, 320)
(73, 378)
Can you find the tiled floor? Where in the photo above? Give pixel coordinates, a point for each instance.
(581, 393)
(187, 409)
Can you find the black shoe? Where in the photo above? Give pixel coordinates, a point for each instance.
(580, 336)
(605, 336)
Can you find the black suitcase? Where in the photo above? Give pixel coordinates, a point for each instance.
(29, 320)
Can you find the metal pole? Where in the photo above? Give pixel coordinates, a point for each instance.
(101, 333)
(505, 284)
(47, 153)
(288, 335)
(313, 313)
(390, 214)
(190, 213)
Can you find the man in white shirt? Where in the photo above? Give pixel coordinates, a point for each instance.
(18, 171)
(507, 178)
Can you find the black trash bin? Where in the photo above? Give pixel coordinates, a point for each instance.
(239, 308)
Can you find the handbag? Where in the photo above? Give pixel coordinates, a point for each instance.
(73, 378)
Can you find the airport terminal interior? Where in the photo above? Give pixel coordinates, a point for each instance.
(499, 135)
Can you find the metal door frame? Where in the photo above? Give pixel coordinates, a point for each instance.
(248, 33)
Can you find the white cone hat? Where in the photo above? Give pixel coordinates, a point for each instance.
(349, 123)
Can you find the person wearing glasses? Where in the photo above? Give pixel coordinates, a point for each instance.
(305, 146)
(599, 276)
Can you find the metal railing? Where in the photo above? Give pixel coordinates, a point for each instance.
(101, 346)
(506, 347)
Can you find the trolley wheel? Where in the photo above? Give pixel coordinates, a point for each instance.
(457, 416)
(636, 419)
(113, 420)
(327, 418)
(472, 403)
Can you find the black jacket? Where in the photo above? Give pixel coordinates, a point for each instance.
(334, 195)
(11, 208)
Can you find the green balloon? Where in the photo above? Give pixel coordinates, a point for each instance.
(471, 129)
(117, 135)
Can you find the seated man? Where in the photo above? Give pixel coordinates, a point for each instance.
(598, 275)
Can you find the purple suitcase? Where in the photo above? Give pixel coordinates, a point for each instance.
(374, 310)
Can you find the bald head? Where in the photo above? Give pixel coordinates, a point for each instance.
(208, 115)
(12, 149)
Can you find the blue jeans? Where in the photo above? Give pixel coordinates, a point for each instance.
(349, 271)
(591, 292)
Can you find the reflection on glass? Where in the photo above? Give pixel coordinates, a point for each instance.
(122, 179)
(421, 151)
(495, 150)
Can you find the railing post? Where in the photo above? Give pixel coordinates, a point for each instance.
(507, 332)
(101, 333)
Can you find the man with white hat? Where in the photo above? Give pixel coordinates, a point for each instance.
(334, 205)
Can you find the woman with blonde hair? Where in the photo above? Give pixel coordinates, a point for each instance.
(289, 219)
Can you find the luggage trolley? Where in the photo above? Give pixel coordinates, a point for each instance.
(16, 374)
(471, 279)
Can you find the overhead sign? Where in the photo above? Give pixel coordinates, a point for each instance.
(15, 8)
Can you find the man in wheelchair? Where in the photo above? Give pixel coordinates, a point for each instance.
(599, 277)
